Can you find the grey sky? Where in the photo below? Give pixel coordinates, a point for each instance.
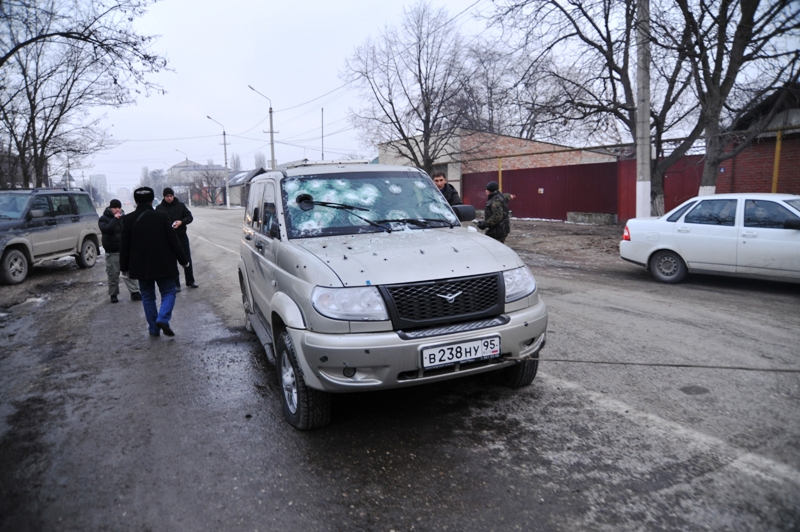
(290, 51)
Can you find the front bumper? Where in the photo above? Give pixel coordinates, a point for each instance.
(384, 360)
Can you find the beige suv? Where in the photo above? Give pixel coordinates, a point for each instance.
(362, 277)
(45, 223)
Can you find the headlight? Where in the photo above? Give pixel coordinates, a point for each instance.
(359, 303)
(519, 283)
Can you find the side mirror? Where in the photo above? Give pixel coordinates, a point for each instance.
(791, 223)
(465, 213)
(37, 213)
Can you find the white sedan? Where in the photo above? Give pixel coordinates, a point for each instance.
(745, 235)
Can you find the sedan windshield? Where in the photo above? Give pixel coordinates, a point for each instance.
(12, 205)
(363, 202)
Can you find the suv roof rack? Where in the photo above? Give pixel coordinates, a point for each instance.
(306, 162)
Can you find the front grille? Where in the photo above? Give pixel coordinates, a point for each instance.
(446, 301)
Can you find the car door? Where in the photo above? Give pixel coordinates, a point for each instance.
(707, 236)
(264, 249)
(68, 220)
(43, 229)
(764, 246)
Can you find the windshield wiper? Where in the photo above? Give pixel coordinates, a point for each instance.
(422, 222)
(306, 203)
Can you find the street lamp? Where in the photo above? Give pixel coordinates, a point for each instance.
(225, 149)
(271, 131)
(190, 186)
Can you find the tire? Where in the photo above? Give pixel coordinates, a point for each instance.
(88, 255)
(518, 375)
(14, 267)
(668, 267)
(303, 407)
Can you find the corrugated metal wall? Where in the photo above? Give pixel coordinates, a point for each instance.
(550, 193)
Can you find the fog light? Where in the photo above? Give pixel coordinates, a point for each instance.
(349, 372)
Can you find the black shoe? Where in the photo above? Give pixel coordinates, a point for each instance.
(192, 285)
(164, 327)
(179, 289)
(114, 299)
(136, 296)
(155, 334)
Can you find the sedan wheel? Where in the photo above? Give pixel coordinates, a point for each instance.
(668, 267)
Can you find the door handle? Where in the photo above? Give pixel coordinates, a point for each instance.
(749, 234)
(248, 237)
(684, 230)
(260, 246)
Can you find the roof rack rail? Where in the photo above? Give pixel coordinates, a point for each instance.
(306, 162)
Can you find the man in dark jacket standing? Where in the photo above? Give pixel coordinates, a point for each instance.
(111, 227)
(448, 191)
(180, 217)
(149, 251)
(496, 218)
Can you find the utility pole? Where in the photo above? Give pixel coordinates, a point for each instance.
(272, 162)
(322, 137)
(643, 187)
(225, 149)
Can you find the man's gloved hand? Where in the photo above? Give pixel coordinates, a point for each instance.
(187, 265)
(481, 225)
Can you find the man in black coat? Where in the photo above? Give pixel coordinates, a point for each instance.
(150, 252)
(110, 224)
(448, 191)
(180, 217)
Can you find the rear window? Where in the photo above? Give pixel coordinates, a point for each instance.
(84, 204)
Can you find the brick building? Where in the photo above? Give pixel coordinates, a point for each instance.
(753, 169)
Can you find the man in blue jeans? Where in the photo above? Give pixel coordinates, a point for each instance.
(150, 252)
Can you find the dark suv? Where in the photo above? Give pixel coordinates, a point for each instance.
(45, 223)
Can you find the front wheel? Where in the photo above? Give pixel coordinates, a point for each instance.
(519, 375)
(88, 255)
(13, 267)
(668, 267)
(303, 407)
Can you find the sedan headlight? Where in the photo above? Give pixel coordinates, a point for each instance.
(358, 303)
(519, 283)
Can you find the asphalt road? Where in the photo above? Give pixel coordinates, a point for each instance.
(104, 428)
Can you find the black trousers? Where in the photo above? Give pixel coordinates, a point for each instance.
(187, 272)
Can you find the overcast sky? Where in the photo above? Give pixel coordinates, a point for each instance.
(291, 52)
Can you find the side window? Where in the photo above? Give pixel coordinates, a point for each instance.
(269, 213)
(760, 213)
(84, 204)
(677, 214)
(713, 212)
(61, 205)
(40, 203)
(253, 215)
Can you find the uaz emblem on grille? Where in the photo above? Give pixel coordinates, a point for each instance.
(450, 297)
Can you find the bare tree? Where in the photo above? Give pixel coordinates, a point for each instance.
(210, 183)
(260, 160)
(236, 163)
(59, 60)
(709, 58)
(105, 25)
(411, 76)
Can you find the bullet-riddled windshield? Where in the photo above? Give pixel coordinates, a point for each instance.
(363, 202)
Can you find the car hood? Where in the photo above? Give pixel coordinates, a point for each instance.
(411, 256)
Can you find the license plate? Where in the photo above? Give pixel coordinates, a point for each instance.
(445, 355)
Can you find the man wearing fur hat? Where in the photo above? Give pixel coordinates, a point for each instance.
(180, 217)
(111, 227)
(149, 251)
(496, 219)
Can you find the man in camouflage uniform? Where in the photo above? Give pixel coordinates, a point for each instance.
(496, 216)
